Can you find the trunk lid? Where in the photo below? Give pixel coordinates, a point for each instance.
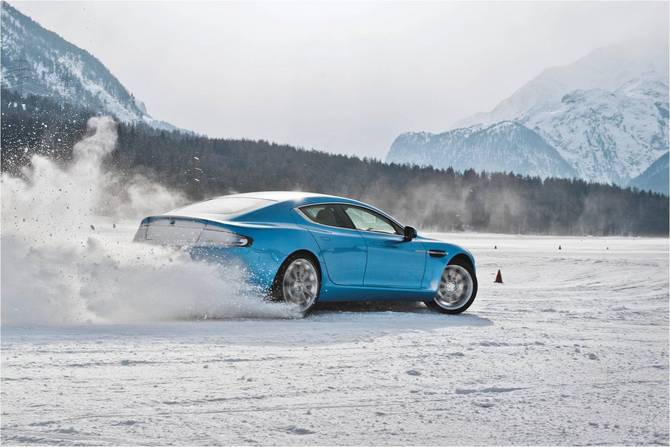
(165, 230)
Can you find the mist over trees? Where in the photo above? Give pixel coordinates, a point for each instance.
(428, 198)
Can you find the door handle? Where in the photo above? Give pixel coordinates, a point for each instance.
(325, 238)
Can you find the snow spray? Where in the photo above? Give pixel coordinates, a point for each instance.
(67, 255)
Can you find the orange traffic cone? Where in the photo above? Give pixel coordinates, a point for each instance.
(498, 278)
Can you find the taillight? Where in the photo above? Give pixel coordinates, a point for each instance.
(222, 238)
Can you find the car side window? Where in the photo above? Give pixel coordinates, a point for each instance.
(330, 215)
(368, 220)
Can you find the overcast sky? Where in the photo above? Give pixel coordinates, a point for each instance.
(344, 77)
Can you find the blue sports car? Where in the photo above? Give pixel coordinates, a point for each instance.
(303, 248)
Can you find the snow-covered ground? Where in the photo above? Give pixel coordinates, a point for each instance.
(104, 341)
(571, 349)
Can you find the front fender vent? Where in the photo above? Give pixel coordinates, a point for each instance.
(437, 253)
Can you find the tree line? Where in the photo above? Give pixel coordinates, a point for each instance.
(431, 199)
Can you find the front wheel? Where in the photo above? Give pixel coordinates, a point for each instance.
(298, 282)
(457, 290)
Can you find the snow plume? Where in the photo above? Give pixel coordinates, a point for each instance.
(433, 206)
(67, 255)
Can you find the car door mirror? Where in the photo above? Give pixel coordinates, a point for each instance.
(409, 233)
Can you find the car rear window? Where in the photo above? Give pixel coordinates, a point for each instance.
(331, 215)
(225, 205)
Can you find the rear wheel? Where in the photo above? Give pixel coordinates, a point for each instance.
(298, 282)
(457, 289)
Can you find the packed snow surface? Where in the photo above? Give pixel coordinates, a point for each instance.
(106, 342)
(571, 349)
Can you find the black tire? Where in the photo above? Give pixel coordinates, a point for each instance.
(462, 308)
(281, 290)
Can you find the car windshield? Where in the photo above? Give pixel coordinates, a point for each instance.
(225, 205)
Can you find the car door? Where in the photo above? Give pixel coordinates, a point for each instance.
(342, 247)
(392, 261)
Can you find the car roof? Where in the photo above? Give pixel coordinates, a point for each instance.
(294, 196)
(290, 198)
(300, 198)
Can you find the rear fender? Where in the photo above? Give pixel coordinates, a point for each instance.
(271, 246)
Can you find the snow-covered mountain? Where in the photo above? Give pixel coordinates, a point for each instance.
(37, 61)
(607, 135)
(656, 177)
(501, 147)
(606, 115)
(605, 68)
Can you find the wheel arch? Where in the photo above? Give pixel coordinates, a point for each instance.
(462, 259)
(308, 253)
(300, 252)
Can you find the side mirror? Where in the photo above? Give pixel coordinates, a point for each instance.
(409, 233)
